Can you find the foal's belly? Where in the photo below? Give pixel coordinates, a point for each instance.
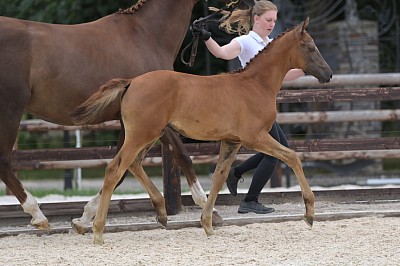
(203, 131)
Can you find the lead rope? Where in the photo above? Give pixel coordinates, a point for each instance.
(202, 21)
(194, 43)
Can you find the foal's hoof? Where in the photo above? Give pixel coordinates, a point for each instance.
(206, 223)
(78, 226)
(309, 220)
(217, 219)
(162, 220)
(209, 231)
(41, 225)
(98, 239)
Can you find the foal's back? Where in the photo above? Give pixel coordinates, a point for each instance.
(201, 107)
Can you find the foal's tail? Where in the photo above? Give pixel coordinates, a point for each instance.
(103, 105)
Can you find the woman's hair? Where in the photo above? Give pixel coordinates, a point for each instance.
(241, 20)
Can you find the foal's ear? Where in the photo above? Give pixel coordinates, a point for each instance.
(302, 27)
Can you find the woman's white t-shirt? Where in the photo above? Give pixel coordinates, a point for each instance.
(250, 45)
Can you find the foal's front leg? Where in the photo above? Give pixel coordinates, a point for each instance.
(227, 155)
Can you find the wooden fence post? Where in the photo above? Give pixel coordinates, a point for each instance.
(172, 183)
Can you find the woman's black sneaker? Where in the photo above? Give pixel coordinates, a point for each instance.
(232, 182)
(253, 206)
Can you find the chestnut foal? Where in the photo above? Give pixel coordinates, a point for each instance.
(236, 108)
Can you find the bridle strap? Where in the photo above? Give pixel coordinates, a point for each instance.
(194, 43)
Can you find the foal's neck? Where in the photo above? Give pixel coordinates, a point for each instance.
(271, 66)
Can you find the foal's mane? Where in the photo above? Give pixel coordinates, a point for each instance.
(132, 9)
(265, 50)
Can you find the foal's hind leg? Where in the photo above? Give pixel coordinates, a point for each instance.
(114, 171)
(266, 144)
(227, 155)
(81, 224)
(156, 197)
(171, 140)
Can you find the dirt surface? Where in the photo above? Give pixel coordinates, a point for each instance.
(370, 240)
(361, 241)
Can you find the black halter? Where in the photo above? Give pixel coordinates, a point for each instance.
(201, 22)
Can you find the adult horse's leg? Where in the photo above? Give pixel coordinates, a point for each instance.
(171, 139)
(9, 120)
(81, 224)
(227, 155)
(267, 144)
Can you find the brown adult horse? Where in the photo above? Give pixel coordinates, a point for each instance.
(48, 70)
(236, 109)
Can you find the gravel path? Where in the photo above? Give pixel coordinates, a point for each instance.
(361, 241)
(370, 240)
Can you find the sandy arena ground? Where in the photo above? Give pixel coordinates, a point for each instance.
(361, 241)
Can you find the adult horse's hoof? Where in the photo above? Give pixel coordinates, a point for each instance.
(217, 219)
(78, 226)
(309, 220)
(41, 225)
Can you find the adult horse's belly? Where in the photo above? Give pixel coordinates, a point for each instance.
(55, 105)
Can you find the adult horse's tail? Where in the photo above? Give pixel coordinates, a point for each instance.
(98, 107)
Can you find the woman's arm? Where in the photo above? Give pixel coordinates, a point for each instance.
(227, 52)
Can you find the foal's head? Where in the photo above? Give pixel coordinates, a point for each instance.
(309, 57)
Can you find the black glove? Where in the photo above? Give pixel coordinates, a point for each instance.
(199, 30)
